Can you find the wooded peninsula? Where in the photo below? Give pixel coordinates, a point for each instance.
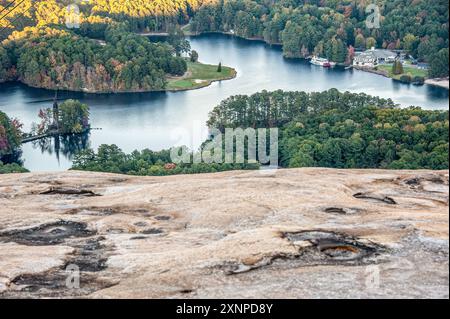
(103, 54)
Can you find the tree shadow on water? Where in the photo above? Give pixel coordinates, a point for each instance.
(66, 145)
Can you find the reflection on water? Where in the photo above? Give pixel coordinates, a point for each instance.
(160, 120)
(66, 145)
(57, 147)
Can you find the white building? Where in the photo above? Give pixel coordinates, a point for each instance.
(373, 57)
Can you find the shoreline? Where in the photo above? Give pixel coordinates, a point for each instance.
(196, 34)
(205, 83)
(439, 82)
(436, 82)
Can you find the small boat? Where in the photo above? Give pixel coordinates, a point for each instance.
(322, 62)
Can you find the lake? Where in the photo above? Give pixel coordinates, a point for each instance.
(161, 120)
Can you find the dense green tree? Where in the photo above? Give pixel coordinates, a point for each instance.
(410, 43)
(336, 51)
(10, 135)
(397, 67)
(11, 168)
(439, 64)
(405, 78)
(360, 41)
(371, 43)
(109, 158)
(327, 129)
(342, 130)
(291, 39)
(272, 109)
(53, 58)
(194, 56)
(5, 64)
(178, 41)
(73, 117)
(418, 26)
(429, 45)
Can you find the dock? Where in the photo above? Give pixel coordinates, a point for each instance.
(36, 137)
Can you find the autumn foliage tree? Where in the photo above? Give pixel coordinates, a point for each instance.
(53, 58)
(10, 135)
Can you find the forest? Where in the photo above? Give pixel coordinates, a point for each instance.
(332, 28)
(110, 158)
(330, 129)
(329, 28)
(141, 14)
(342, 130)
(320, 129)
(102, 55)
(59, 59)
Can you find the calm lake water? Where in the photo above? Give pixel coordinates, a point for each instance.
(161, 120)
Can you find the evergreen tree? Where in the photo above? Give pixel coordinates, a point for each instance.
(439, 64)
(397, 67)
(194, 56)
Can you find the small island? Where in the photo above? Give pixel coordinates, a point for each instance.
(69, 117)
(200, 75)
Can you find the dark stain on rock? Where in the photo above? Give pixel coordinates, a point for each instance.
(335, 210)
(138, 238)
(47, 234)
(328, 247)
(107, 211)
(152, 231)
(342, 210)
(68, 191)
(384, 199)
(412, 181)
(141, 224)
(53, 284)
(186, 291)
(162, 217)
(315, 247)
(90, 255)
(92, 211)
(415, 182)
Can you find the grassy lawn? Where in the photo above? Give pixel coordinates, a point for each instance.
(200, 75)
(412, 71)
